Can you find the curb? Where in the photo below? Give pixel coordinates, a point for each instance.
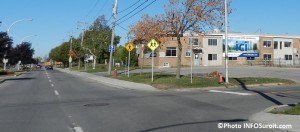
(3, 80)
(227, 87)
(110, 82)
(279, 119)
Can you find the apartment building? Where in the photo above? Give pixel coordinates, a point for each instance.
(242, 49)
(198, 49)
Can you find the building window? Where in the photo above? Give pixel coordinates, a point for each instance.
(188, 53)
(250, 58)
(280, 44)
(275, 44)
(288, 57)
(287, 44)
(212, 42)
(267, 56)
(267, 43)
(212, 57)
(171, 51)
(232, 58)
(193, 41)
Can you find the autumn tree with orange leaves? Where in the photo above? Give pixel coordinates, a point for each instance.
(144, 30)
(181, 16)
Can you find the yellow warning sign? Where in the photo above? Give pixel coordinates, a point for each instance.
(129, 46)
(152, 45)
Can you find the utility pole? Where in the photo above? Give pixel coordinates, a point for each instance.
(226, 44)
(70, 57)
(85, 26)
(112, 37)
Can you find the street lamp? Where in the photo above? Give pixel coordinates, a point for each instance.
(30, 19)
(7, 31)
(27, 37)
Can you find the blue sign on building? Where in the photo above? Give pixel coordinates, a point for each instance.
(252, 54)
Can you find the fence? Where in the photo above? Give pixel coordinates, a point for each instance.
(274, 62)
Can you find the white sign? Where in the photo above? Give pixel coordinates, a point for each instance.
(5, 60)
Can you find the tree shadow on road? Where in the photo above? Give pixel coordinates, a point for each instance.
(258, 92)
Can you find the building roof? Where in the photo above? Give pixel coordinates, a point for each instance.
(256, 35)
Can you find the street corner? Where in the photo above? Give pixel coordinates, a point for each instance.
(271, 120)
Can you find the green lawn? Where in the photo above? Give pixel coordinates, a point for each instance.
(98, 68)
(293, 111)
(168, 81)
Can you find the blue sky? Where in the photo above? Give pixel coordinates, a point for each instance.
(54, 20)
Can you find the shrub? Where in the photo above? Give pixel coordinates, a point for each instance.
(6, 72)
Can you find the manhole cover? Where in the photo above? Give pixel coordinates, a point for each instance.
(96, 104)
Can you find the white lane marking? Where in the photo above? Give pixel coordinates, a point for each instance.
(237, 93)
(48, 77)
(52, 85)
(78, 129)
(50, 81)
(56, 92)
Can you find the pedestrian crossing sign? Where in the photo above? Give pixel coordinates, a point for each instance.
(129, 47)
(152, 44)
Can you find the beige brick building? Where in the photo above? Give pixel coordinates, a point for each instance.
(243, 49)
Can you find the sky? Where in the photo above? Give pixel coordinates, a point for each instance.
(55, 20)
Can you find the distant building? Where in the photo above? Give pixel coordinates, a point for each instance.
(242, 49)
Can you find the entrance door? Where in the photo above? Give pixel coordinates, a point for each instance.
(296, 59)
(196, 59)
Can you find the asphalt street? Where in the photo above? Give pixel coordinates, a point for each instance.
(53, 101)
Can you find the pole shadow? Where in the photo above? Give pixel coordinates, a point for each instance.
(193, 123)
(242, 84)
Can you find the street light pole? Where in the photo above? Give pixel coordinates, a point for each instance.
(27, 37)
(7, 32)
(17, 22)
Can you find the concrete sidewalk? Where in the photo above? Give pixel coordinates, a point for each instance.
(277, 119)
(112, 82)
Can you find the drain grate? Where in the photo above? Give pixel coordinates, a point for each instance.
(96, 104)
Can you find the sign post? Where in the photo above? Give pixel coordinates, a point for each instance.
(129, 47)
(196, 50)
(152, 45)
(4, 61)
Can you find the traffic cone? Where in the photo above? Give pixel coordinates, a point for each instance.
(220, 78)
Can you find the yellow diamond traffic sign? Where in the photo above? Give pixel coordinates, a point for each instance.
(152, 45)
(129, 46)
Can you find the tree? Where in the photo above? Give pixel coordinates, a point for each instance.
(60, 53)
(144, 30)
(22, 52)
(121, 54)
(96, 40)
(5, 44)
(191, 15)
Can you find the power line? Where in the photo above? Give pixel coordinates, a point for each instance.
(136, 12)
(122, 27)
(91, 9)
(132, 10)
(101, 8)
(129, 7)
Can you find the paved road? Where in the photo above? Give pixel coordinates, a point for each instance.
(53, 101)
